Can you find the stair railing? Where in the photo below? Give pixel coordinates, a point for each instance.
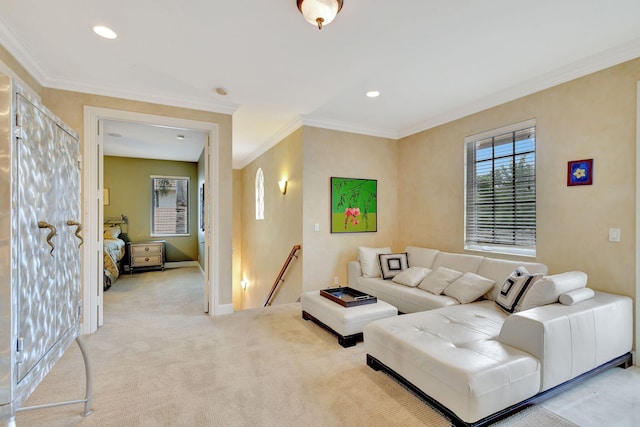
(283, 270)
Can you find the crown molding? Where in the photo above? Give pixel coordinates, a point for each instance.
(21, 53)
(276, 138)
(348, 127)
(586, 66)
(194, 104)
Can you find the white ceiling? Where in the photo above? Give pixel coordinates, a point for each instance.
(130, 139)
(433, 61)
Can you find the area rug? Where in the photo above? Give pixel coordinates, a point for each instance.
(159, 361)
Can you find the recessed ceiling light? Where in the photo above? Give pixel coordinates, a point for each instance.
(373, 94)
(221, 91)
(114, 135)
(105, 32)
(180, 137)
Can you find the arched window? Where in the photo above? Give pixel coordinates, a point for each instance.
(259, 194)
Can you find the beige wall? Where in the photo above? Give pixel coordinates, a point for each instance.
(330, 153)
(238, 295)
(591, 117)
(129, 184)
(267, 243)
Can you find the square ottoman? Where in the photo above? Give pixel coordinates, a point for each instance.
(345, 322)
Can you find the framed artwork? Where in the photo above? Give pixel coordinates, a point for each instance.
(202, 207)
(354, 205)
(580, 172)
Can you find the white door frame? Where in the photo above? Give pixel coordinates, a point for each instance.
(637, 294)
(92, 202)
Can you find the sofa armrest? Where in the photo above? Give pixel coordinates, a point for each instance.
(571, 340)
(354, 271)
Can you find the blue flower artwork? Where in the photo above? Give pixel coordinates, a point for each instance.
(580, 172)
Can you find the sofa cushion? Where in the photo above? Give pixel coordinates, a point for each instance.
(577, 296)
(412, 276)
(499, 270)
(548, 289)
(458, 262)
(437, 281)
(451, 354)
(469, 287)
(421, 257)
(369, 262)
(515, 288)
(392, 264)
(405, 298)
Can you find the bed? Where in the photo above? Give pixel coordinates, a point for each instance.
(114, 246)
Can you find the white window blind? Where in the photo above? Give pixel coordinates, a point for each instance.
(501, 190)
(169, 206)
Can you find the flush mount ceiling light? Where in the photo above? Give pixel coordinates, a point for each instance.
(319, 12)
(373, 94)
(105, 32)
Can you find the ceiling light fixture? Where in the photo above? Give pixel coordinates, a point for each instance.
(373, 94)
(105, 32)
(221, 91)
(180, 137)
(319, 12)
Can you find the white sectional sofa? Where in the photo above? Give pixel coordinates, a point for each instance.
(408, 299)
(478, 362)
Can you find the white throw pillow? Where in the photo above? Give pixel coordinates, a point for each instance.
(469, 287)
(412, 276)
(393, 264)
(439, 279)
(369, 260)
(514, 289)
(548, 289)
(579, 295)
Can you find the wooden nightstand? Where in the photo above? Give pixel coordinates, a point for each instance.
(146, 255)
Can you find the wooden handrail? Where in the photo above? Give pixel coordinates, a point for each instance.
(292, 254)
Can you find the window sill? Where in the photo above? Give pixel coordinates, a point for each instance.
(504, 250)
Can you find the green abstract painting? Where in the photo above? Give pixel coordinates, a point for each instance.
(354, 205)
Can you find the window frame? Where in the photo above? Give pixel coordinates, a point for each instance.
(471, 194)
(259, 189)
(153, 207)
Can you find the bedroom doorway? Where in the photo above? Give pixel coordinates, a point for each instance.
(95, 194)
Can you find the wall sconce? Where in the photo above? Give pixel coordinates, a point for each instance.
(283, 186)
(243, 284)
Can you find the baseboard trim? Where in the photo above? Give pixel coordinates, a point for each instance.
(180, 264)
(222, 309)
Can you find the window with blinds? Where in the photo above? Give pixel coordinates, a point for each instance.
(501, 190)
(169, 206)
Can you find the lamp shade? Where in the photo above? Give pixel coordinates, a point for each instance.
(319, 12)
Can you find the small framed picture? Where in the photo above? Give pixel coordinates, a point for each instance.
(580, 172)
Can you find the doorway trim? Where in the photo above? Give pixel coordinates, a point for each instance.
(637, 294)
(92, 204)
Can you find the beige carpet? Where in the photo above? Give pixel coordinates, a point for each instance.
(159, 361)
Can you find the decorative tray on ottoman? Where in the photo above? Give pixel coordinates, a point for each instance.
(348, 297)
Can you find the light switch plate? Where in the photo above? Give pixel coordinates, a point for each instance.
(614, 234)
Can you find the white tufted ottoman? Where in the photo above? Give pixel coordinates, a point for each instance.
(346, 322)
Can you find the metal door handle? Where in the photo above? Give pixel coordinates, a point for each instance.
(78, 230)
(52, 233)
